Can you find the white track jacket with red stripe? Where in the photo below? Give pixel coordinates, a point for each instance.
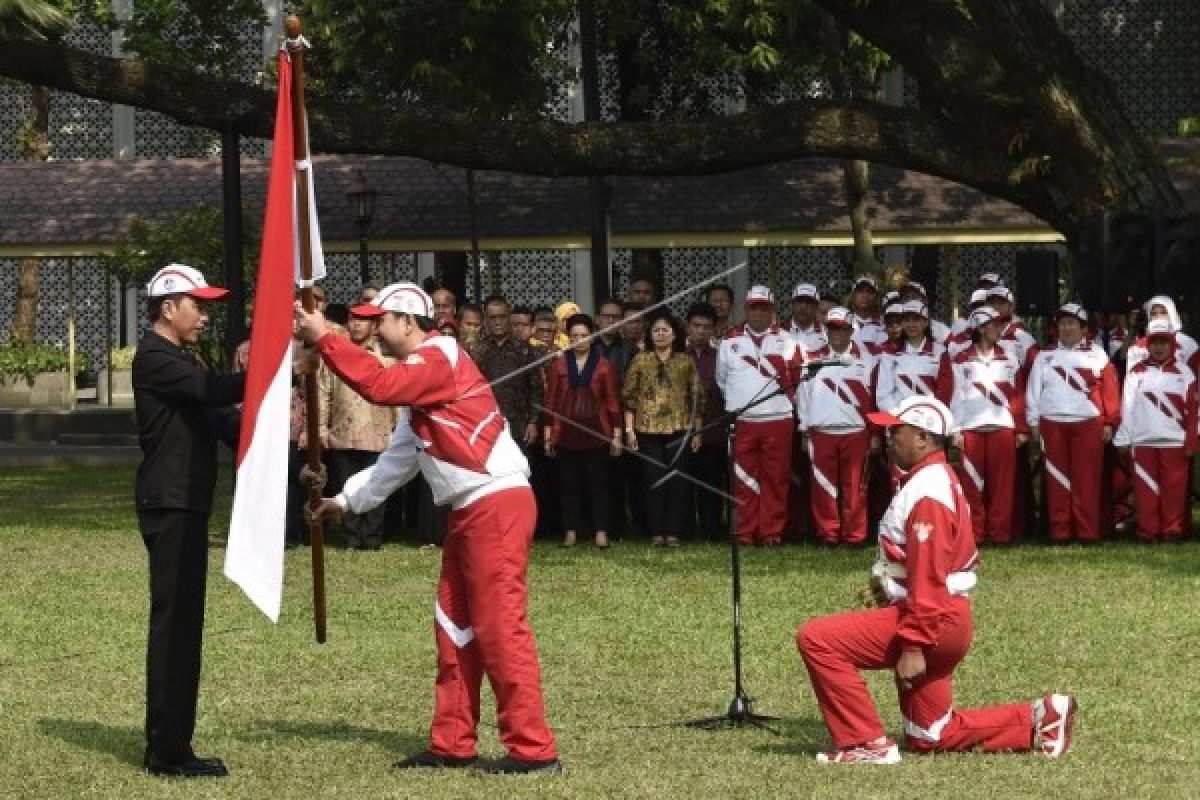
(1072, 385)
(449, 427)
(926, 549)
(1158, 406)
(751, 366)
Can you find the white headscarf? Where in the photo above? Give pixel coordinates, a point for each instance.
(1169, 304)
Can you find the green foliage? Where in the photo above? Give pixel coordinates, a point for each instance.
(20, 360)
(485, 56)
(121, 357)
(202, 36)
(39, 18)
(194, 237)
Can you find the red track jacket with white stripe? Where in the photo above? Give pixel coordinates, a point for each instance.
(926, 549)
(449, 427)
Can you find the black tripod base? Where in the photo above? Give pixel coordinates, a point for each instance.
(739, 715)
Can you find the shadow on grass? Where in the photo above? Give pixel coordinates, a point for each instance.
(799, 736)
(395, 741)
(123, 743)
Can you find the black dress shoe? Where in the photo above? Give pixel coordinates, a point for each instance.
(515, 766)
(430, 760)
(190, 767)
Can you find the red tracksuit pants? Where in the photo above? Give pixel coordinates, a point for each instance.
(481, 628)
(762, 461)
(1074, 456)
(1160, 490)
(835, 648)
(987, 470)
(839, 492)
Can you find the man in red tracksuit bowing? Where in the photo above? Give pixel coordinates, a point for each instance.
(451, 430)
(925, 570)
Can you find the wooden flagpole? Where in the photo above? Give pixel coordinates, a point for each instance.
(316, 532)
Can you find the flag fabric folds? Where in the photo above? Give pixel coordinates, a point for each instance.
(254, 554)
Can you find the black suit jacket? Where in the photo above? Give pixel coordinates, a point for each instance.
(182, 411)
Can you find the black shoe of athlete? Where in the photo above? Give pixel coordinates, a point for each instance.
(430, 760)
(515, 766)
(188, 767)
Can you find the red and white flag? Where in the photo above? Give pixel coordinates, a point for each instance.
(254, 554)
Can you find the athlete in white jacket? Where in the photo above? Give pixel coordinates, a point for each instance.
(1158, 427)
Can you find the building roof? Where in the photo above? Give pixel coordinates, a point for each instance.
(49, 205)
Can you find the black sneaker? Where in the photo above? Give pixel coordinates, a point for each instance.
(431, 760)
(189, 767)
(515, 766)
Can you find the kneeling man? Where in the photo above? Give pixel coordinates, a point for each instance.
(925, 570)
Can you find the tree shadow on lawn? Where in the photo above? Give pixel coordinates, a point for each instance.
(123, 743)
(394, 741)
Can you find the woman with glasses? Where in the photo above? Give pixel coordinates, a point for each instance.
(664, 406)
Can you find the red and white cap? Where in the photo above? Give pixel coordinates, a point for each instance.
(401, 298)
(1160, 327)
(891, 297)
(182, 279)
(866, 280)
(918, 286)
(1000, 293)
(760, 295)
(1071, 310)
(920, 411)
(806, 290)
(915, 307)
(978, 297)
(839, 317)
(982, 316)
(894, 310)
(989, 278)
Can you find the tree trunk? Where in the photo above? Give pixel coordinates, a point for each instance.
(1008, 108)
(35, 146)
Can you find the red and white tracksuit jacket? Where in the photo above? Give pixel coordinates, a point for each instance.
(987, 401)
(871, 333)
(1071, 395)
(959, 338)
(1186, 351)
(810, 338)
(1016, 337)
(452, 431)
(752, 366)
(1158, 424)
(831, 408)
(905, 370)
(927, 561)
(940, 331)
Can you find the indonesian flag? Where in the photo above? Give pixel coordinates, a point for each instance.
(254, 554)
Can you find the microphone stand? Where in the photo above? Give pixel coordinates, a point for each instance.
(741, 709)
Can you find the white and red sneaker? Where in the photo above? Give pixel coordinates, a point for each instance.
(1053, 719)
(881, 751)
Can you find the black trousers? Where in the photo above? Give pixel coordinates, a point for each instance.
(666, 503)
(544, 479)
(358, 530)
(177, 544)
(706, 504)
(629, 494)
(583, 476)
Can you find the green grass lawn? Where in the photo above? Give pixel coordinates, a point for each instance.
(632, 640)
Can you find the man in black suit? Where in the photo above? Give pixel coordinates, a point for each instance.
(182, 410)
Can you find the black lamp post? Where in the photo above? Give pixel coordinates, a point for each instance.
(362, 200)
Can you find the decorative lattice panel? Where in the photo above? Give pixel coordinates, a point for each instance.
(1147, 49)
(92, 318)
(526, 277)
(342, 273)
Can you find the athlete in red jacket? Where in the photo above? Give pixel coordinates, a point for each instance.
(451, 430)
(925, 570)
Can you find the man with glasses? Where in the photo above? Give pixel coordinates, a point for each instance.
(510, 366)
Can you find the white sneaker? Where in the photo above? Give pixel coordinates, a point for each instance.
(1053, 720)
(881, 751)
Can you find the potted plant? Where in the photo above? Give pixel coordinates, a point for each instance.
(120, 367)
(37, 375)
